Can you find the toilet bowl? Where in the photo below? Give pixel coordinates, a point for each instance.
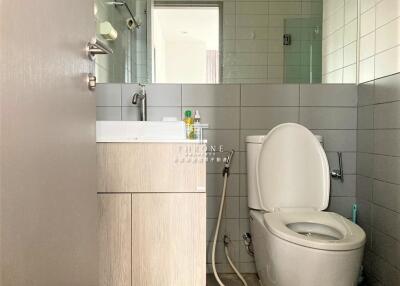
(296, 243)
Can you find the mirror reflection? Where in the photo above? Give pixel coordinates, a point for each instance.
(227, 41)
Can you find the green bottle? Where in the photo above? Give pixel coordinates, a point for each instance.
(189, 124)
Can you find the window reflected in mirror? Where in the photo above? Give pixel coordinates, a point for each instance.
(186, 44)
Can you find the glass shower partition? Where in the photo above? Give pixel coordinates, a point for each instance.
(302, 50)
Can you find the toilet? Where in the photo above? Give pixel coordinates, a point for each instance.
(297, 243)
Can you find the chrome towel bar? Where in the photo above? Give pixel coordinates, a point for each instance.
(96, 47)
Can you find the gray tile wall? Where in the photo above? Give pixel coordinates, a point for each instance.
(236, 111)
(378, 176)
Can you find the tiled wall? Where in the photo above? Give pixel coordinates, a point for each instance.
(252, 40)
(235, 111)
(378, 176)
(379, 39)
(339, 44)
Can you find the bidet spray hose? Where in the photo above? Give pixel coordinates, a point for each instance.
(226, 243)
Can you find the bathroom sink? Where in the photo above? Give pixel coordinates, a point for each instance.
(140, 131)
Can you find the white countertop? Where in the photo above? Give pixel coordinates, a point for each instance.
(143, 132)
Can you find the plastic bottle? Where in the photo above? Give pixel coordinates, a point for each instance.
(197, 129)
(189, 124)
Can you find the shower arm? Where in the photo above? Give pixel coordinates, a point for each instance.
(123, 3)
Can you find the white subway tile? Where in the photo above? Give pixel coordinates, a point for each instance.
(367, 4)
(252, 33)
(252, 8)
(367, 69)
(350, 10)
(254, 46)
(350, 32)
(350, 54)
(367, 22)
(284, 8)
(350, 74)
(334, 60)
(333, 42)
(388, 36)
(387, 62)
(251, 20)
(386, 11)
(367, 46)
(334, 77)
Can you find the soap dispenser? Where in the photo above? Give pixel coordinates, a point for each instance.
(197, 128)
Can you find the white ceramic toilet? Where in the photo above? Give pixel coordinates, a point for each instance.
(295, 242)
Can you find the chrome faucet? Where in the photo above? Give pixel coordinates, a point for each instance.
(141, 95)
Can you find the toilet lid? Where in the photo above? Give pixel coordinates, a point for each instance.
(292, 170)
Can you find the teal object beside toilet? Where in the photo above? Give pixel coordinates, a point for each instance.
(354, 213)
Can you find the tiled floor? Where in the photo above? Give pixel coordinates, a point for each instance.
(233, 280)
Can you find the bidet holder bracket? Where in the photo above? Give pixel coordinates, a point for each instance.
(338, 173)
(227, 163)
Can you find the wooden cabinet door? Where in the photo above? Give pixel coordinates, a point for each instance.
(168, 239)
(114, 239)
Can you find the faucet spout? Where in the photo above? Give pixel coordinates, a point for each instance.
(141, 95)
(135, 98)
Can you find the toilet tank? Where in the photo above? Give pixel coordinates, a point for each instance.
(253, 147)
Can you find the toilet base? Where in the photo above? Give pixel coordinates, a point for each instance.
(282, 263)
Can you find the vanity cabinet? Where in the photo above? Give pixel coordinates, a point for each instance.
(168, 239)
(152, 228)
(115, 240)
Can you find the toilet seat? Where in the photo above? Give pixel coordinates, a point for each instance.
(315, 229)
(292, 170)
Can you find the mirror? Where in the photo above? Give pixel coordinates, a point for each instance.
(227, 41)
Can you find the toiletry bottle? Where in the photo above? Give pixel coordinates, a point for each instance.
(197, 129)
(189, 124)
